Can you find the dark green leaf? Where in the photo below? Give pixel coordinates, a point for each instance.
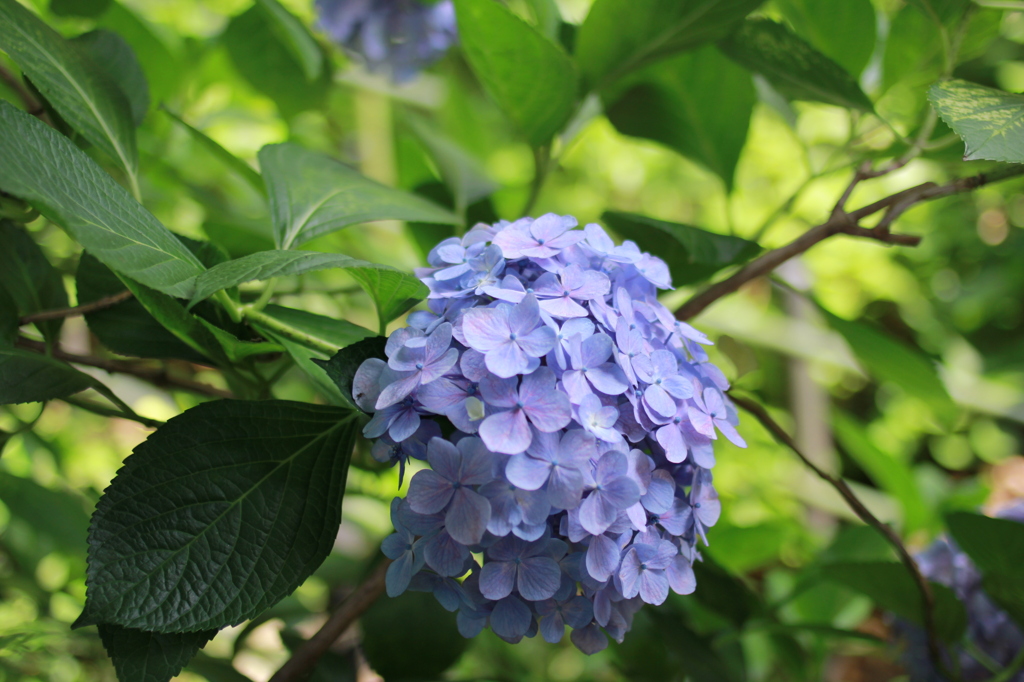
(692, 254)
(240, 236)
(618, 37)
(530, 77)
(842, 30)
(305, 358)
(913, 50)
(79, 8)
(294, 36)
(329, 330)
(55, 514)
(27, 377)
(141, 656)
(890, 585)
(886, 359)
(695, 654)
(234, 348)
(244, 170)
(8, 318)
(30, 281)
(995, 545)
(268, 64)
(793, 67)
(45, 168)
(1006, 590)
(461, 171)
(724, 593)
(116, 58)
(341, 368)
(698, 104)
(425, 652)
(887, 470)
(72, 83)
(215, 669)
(127, 327)
(312, 194)
(941, 11)
(990, 121)
(242, 503)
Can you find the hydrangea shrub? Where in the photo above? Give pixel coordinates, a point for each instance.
(568, 420)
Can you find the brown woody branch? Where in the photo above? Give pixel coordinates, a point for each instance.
(85, 309)
(865, 515)
(846, 222)
(301, 664)
(158, 376)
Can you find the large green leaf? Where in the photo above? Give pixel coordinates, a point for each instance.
(842, 30)
(56, 514)
(698, 103)
(44, 168)
(692, 653)
(72, 83)
(796, 69)
(890, 585)
(218, 515)
(312, 194)
(342, 367)
(941, 11)
(265, 58)
(692, 254)
(995, 545)
(27, 377)
(619, 36)
(426, 652)
(326, 330)
(140, 656)
(31, 282)
(116, 59)
(530, 77)
(295, 36)
(244, 170)
(888, 471)
(886, 359)
(162, 68)
(990, 121)
(9, 319)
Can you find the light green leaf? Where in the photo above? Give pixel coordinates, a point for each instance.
(326, 330)
(140, 656)
(312, 194)
(793, 67)
(44, 168)
(58, 515)
(890, 585)
(27, 377)
(528, 75)
(990, 121)
(116, 59)
(698, 104)
(547, 17)
(244, 170)
(888, 360)
(243, 502)
(941, 11)
(79, 8)
(72, 83)
(305, 358)
(842, 30)
(295, 36)
(692, 254)
(393, 292)
(620, 36)
(29, 279)
(160, 65)
(462, 172)
(888, 471)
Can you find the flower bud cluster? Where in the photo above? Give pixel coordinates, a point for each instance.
(399, 37)
(568, 420)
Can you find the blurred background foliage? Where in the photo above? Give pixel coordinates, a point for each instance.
(956, 300)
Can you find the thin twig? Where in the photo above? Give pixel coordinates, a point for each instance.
(844, 222)
(84, 309)
(865, 515)
(302, 662)
(156, 376)
(32, 105)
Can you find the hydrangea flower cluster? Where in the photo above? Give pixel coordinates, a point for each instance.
(989, 628)
(568, 420)
(397, 36)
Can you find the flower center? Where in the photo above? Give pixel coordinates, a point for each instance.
(540, 241)
(513, 336)
(519, 404)
(419, 365)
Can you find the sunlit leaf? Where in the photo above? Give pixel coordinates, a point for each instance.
(116, 58)
(312, 194)
(296, 37)
(244, 170)
(528, 75)
(793, 67)
(842, 30)
(990, 121)
(243, 502)
(46, 169)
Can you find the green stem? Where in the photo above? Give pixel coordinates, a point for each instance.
(105, 411)
(230, 306)
(265, 297)
(286, 330)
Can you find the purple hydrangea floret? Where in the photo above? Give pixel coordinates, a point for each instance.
(399, 37)
(580, 417)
